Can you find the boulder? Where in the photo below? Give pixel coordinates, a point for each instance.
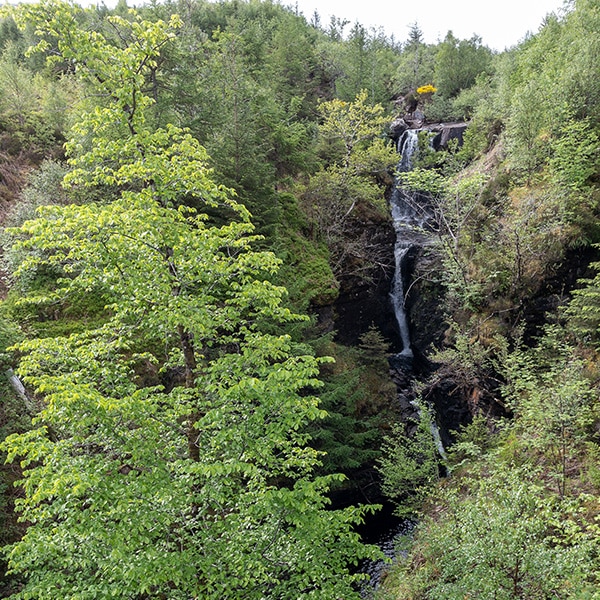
(447, 132)
(397, 127)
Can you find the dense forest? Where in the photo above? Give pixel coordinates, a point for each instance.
(218, 359)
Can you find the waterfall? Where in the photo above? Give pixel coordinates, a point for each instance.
(410, 215)
(397, 297)
(409, 218)
(435, 430)
(437, 440)
(408, 144)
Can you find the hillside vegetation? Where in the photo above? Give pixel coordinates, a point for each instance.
(197, 255)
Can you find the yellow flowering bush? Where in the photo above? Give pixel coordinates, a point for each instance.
(426, 89)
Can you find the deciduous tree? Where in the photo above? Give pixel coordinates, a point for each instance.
(197, 483)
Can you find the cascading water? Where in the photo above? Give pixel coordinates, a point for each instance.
(408, 144)
(409, 217)
(410, 214)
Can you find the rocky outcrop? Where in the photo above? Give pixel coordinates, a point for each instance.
(444, 132)
(397, 127)
(364, 299)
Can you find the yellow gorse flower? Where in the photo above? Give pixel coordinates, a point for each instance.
(426, 89)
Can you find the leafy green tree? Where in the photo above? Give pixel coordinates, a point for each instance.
(416, 63)
(350, 436)
(237, 98)
(495, 542)
(14, 417)
(526, 133)
(200, 486)
(293, 65)
(374, 347)
(549, 71)
(415, 36)
(409, 464)
(248, 120)
(458, 63)
(366, 62)
(575, 154)
(358, 162)
(573, 56)
(583, 310)
(9, 32)
(533, 233)
(34, 113)
(358, 397)
(551, 399)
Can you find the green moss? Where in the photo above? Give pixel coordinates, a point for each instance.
(305, 271)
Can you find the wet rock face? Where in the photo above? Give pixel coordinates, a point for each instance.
(364, 300)
(397, 128)
(452, 407)
(424, 304)
(446, 133)
(358, 308)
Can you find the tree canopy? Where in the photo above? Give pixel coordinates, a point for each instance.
(194, 215)
(198, 484)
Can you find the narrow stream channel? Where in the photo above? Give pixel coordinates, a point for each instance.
(385, 530)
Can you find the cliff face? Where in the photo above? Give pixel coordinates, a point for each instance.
(364, 301)
(455, 394)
